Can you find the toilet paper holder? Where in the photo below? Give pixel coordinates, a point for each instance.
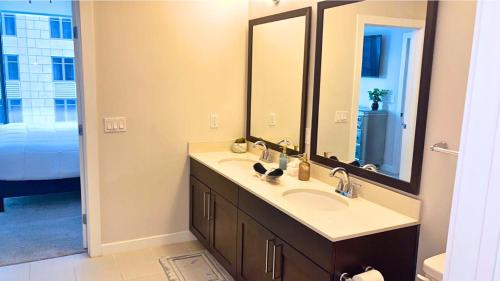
(346, 277)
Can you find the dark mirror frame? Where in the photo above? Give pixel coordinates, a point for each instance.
(272, 18)
(413, 186)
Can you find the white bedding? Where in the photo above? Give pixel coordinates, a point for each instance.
(39, 152)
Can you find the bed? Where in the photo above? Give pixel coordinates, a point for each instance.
(38, 159)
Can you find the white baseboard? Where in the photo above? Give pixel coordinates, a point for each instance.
(146, 242)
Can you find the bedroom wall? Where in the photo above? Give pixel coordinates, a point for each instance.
(447, 97)
(166, 71)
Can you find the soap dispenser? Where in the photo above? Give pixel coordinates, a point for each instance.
(304, 169)
(283, 157)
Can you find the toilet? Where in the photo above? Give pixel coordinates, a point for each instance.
(433, 268)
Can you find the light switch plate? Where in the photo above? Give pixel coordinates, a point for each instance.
(341, 116)
(115, 124)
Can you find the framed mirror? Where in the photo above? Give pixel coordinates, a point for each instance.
(371, 88)
(278, 59)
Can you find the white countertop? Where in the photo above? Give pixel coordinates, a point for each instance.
(361, 217)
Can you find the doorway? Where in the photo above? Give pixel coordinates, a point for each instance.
(41, 196)
(387, 71)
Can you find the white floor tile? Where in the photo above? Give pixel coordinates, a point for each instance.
(142, 265)
(20, 272)
(97, 269)
(137, 264)
(171, 250)
(59, 269)
(157, 277)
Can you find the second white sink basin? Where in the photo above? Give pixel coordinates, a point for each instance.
(238, 163)
(315, 199)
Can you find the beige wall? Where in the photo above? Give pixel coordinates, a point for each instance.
(165, 66)
(277, 74)
(447, 96)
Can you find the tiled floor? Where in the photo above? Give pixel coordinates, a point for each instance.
(141, 265)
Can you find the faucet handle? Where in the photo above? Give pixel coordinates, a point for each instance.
(285, 141)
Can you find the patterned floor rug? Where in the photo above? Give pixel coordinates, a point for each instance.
(197, 266)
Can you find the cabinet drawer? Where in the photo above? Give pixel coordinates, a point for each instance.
(311, 244)
(216, 182)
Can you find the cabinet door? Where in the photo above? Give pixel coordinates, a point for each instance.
(199, 219)
(223, 231)
(254, 256)
(291, 265)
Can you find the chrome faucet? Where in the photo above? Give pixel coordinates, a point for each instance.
(266, 154)
(344, 186)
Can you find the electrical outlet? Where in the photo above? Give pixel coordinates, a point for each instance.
(341, 116)
(214, 121)
(272, 119)
(115, 124)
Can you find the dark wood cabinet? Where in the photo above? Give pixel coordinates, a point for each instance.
(254, 250)
(262, 256)
(223, 230)
(254, 241)
(213, 220)
(200, 224)
(293, 266)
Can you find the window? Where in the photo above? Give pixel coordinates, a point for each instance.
(65, 110)
(11, 67)
(55, 28)
(63, 69)
(9, 22)
(66, 29)
(61, 28)
(15, 110)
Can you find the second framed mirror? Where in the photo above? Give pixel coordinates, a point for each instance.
(372, 76)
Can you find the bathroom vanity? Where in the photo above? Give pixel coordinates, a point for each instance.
(292, 230)
(295, 230)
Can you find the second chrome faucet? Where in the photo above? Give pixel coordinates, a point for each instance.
(344, 187)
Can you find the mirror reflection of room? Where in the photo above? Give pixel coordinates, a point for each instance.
(277, 77)
(368, 119)
(384, 118)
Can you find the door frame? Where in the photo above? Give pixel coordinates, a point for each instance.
(404, 79)
(83, 21)
(473, 250)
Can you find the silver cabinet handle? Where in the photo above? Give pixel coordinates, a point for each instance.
(266, 269)
(205, 204)
(209, 204)
(274, 262)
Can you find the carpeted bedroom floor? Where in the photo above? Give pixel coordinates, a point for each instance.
(40, 227)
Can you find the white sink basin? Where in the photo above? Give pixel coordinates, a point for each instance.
(242, 163)
(315, 199)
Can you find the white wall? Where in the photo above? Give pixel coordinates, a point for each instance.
(449, 80)
(165, 66)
